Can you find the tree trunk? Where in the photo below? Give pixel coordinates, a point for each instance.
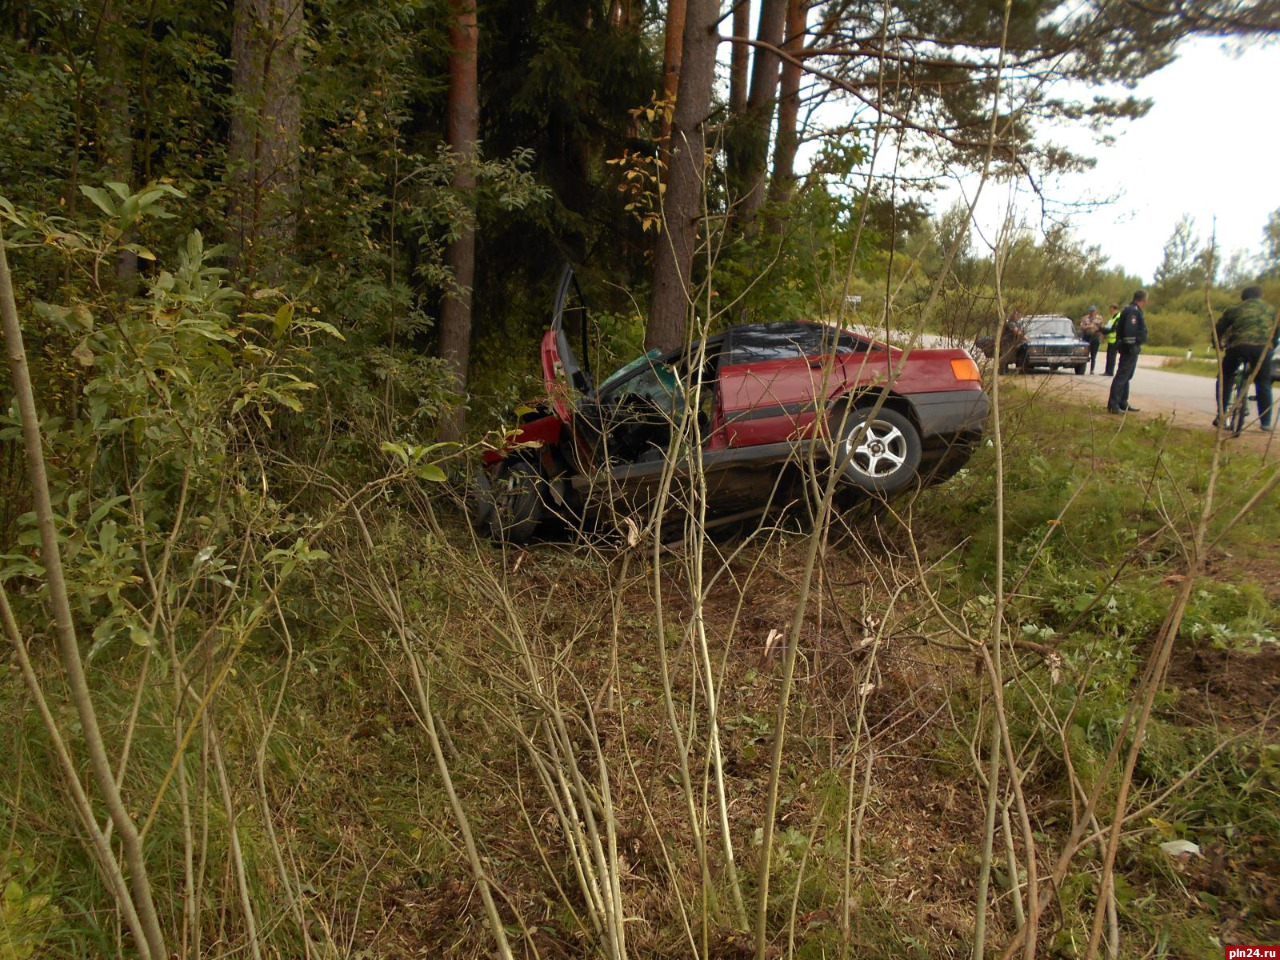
(673, 42)
(115, 121)
(462, 128)
(788, 140)
(682, 206)
(265, 130)
(753, 136)
(739, 58)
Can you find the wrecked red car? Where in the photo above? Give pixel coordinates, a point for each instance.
(740, 418)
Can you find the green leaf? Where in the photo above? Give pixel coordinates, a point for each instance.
(140, 635)
(328, 328)
(289, 400)
(396, 450)
(429, 472)
(100, 198)
(284, 319)
(83, 354)
(102, 510)
(128, 212)
(121, 190)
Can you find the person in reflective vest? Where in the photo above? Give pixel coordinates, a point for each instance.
(1111, 340)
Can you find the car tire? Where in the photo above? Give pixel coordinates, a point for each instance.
(879, 454)
(516, 504)
(1024, 365)
(1080, 369)
(480, 502)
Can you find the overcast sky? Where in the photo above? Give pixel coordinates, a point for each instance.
(1209, 147)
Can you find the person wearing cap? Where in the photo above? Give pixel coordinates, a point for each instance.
(1246, 334)
(1131, 334)
(1091, 333)
(1110, 333)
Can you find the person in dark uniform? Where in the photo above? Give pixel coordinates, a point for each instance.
(1131, 334)
(1246, 333)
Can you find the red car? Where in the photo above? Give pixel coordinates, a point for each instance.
(748, 411)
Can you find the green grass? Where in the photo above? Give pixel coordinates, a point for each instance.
(1196, 367)
(361, 812)
(1203, 353)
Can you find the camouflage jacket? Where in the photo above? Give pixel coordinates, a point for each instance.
(1250, 321)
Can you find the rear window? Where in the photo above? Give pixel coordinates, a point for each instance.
(788, 341)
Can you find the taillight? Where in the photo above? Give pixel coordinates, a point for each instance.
(964, 368)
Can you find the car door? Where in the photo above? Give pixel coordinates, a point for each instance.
(772, 380)
(566, 378)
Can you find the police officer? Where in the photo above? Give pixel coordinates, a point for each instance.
(1131, 334)
(1246, 335)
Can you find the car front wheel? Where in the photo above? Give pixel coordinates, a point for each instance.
(879, 454)
(515, 501)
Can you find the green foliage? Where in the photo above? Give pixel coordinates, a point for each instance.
(26, 916)
(1188, 263)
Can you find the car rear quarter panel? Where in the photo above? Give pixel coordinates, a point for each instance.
(777, 400)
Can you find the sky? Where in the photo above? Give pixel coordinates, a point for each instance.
(1209, 147)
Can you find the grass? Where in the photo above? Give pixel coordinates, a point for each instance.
(1202, 353)
(1196, 367)
(357, 803)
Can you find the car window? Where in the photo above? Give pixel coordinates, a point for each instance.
(786, 341)
(658, 384)
(1049, 327)
(628, 369)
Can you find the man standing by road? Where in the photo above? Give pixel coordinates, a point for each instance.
(1091, 332)
(1131, 334)
(1246, 334)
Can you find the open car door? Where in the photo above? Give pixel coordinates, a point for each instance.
(566, 378)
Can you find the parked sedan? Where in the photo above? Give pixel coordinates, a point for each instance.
(744, 414)
(1046, 340)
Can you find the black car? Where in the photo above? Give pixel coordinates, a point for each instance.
(1047, 340)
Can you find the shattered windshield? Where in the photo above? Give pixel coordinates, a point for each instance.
(628, 369)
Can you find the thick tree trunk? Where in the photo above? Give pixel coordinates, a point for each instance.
(115, 120)
(753, 134)
(673, 43)
(682, 206)
(787, 142)
(265, 129)
(462, 129)
(739, 58)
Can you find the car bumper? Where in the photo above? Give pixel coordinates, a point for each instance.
(948, 414)
(1057, 359)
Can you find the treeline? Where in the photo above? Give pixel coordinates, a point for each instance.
(414, 171)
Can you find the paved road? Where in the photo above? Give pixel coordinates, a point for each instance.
(1185, 399)
(1153, 390)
